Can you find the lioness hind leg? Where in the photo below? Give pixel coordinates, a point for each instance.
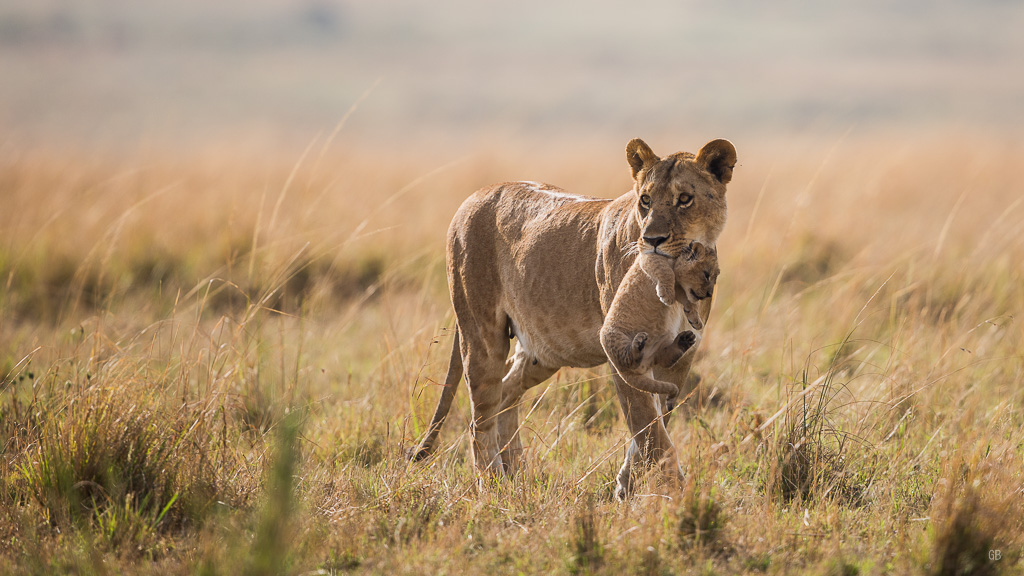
(484, 367)
(515, 366)
(519, 379)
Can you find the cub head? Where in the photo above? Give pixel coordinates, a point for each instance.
(697, 271)
(680, 198)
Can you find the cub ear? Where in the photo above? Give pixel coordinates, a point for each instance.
(640, 156)
(697, 251)
(718, 158)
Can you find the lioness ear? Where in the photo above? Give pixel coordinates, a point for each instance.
(640, 156)
(718, 158)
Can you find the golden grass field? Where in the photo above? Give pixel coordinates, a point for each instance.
(212, 362)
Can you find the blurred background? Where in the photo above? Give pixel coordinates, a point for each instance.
(120, 72)
(212, 211)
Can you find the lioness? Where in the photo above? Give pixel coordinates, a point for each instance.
(639, 331)
(530, 261)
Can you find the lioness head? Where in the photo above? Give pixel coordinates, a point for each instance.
(681, 197)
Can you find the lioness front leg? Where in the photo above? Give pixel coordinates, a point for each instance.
(650, 442)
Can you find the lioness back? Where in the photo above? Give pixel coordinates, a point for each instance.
(527, 251)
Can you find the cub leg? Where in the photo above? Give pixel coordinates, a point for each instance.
(626, 355)
(659, 269)
(688, 277)
(624, 350)
(692, 315)
(672, 352)
(644, 383)
(678, 374)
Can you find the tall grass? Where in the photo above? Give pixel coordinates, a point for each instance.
(211, 364)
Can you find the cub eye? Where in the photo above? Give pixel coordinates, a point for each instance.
(645, 200)
(684, 200)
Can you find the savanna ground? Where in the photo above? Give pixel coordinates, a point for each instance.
(213, 362)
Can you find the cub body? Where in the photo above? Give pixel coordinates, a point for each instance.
(644, 327)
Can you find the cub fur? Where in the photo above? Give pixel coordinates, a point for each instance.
(695, 279)
(643, 328)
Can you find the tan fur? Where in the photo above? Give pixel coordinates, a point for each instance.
(530, 261)
(695, 279)
(640, 330)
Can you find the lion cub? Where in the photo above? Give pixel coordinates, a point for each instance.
(639, 331)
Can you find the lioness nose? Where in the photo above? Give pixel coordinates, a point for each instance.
(654, 241)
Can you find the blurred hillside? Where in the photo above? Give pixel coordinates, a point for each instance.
(124, 71)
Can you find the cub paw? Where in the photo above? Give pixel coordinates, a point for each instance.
(667, 295)
(639, 341)
(686, 339)
(632, 358)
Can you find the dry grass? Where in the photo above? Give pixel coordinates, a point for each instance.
(214, 363)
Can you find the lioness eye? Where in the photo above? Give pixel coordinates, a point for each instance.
(645, 200)
(685, 200)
